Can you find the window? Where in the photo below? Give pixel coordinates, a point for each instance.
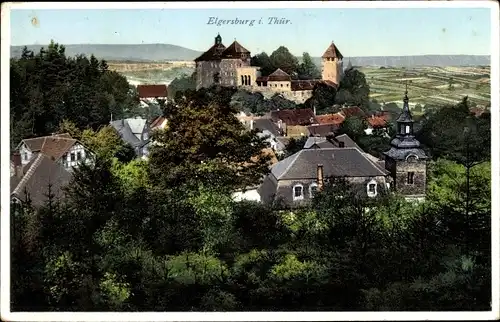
(341, 144)
(79, 155)
(73, 156)
(298, 193)
(25, 156)
(371, 188)
(411, 177)
(281, 85)
(313, 188)
(407, 129)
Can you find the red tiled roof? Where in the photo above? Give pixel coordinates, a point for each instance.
(332, 52)
(386, 115)
(336, 118)
(152, 91)
(304, 116)
(377, 121)
(352, 111)
(279, 76)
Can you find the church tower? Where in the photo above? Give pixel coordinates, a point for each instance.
(406, 160)
(332, 64)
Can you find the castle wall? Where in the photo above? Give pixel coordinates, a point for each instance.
(205, 71)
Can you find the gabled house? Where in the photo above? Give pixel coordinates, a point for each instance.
(148, 94)
(134, 131)
(61, 148)
(294, 122)
(377, 121)
(34, 181)
(296, 179)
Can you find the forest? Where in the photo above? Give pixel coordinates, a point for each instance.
(166, 235)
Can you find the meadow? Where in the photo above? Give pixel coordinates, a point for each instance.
(433, 86)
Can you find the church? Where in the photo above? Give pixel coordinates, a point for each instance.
(230, 66)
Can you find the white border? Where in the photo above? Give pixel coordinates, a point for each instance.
(247, 316)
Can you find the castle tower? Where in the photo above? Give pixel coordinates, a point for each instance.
(332, 64)
(406, 161)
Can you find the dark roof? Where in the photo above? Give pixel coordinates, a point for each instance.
(405, 116)
(332, 52)
(38, 174)
(279, 76)
(302, 116)
(402, 153)
(151, 91)
(322, 129)
(214, 53)
(127, 135)
(235, 50)
(262, 79)
(266, 124)
(337, 162)
(303, 85)
(353, 111)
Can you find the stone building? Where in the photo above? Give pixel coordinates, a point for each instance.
(406, 161)
(231, 67)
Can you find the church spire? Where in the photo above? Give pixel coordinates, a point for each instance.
(218, 39)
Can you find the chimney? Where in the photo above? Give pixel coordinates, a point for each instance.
(16, 160)
(320, 177)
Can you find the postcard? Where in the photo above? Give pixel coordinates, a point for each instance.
(246, 161)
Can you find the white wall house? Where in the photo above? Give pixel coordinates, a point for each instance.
(248, 195)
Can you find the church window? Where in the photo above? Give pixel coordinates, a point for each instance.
(410, 178)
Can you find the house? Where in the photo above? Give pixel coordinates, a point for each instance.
(336, 118)
(149, 94)
(294, 122)
(295, 179)
(134, 131)
(270, 131)
(352, 111)
(378, 121)
(247, 194)
(322, 129)
(38, 178)
(61, 148)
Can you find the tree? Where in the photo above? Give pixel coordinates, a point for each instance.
(294, 145)
(205, 142)
(354, 126)
(354, 82)
(263, 61)
(322, 99)
(283, 59)
(181, 84)
(107, 144)
(308, 69)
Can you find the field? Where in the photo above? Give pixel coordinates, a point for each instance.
(429, 85)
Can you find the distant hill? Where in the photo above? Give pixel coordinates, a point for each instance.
(137, 53)
(412, 61)
(162, 52)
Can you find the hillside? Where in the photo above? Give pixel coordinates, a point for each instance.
(164, 52)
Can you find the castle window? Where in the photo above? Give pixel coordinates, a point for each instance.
(298, 192)
(410, 178)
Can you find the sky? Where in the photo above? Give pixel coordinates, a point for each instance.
(355, 31)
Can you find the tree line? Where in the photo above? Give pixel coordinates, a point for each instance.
(166, 235)
(48, 87)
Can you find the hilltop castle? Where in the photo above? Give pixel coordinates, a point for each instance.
(231, 67)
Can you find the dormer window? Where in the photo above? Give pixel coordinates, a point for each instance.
(298, 192)
(371, 188)
(341, 144)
